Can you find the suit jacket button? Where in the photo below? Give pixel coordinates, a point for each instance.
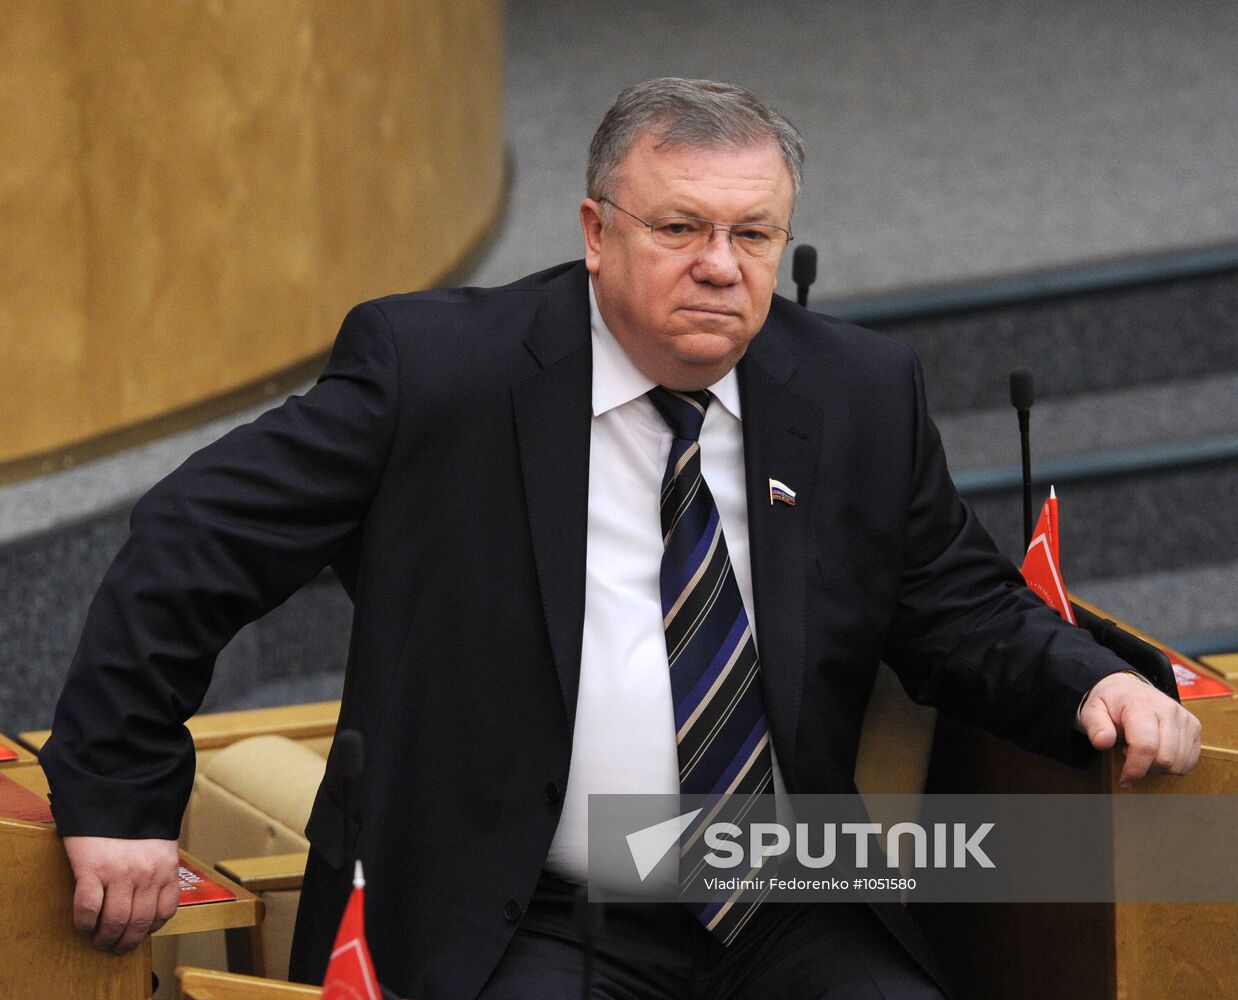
(552, 792)
(512, 911)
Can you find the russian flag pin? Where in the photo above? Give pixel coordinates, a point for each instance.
(781, 492)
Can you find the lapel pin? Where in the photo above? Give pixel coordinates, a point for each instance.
(781, 492)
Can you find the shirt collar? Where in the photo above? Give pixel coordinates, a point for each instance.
(617, 381)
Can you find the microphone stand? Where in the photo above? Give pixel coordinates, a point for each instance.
(1026, 448)
(1022, 395)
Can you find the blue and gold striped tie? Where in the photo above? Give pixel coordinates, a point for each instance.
(721, 730)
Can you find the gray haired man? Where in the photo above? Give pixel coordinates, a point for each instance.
(494, 475)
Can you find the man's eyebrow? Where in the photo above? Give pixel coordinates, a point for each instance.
(765, 218)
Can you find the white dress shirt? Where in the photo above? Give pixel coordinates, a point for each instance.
(624, 740)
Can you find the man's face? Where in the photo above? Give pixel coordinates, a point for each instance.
(685, 319)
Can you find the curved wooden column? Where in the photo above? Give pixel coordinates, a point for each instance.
(192, 194)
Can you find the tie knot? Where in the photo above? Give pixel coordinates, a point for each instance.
(684, 412)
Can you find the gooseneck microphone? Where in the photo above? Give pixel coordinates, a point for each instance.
(1142, 656)
(1022, 395)
(803, 271)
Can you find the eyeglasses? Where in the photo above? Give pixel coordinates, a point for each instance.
(684, 233)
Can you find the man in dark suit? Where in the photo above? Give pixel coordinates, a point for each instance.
(484, 469)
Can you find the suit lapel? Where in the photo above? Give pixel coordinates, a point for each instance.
(781, 438)
(552, 412)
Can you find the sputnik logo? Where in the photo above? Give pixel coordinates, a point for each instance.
(649, 846)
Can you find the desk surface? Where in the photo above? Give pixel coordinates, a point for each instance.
(1225, 664)
(24, 756)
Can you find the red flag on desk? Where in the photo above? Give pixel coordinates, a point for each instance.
(350, 973)
(1041, 566)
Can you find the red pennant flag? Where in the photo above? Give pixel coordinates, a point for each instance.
(350, 973)
(1041, 564)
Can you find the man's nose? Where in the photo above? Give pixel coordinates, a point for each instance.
(717, 262)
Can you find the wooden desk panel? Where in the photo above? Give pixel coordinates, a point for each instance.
(1143, 951)
(42, 955)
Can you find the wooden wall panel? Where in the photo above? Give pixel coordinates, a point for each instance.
(192, 194)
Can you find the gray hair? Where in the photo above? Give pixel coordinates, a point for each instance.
(699, 114)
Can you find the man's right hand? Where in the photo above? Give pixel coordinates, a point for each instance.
(126, 889)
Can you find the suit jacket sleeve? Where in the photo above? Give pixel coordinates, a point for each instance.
(230, 534)
(968, 636)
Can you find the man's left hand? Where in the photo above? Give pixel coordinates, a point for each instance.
(1160, 735)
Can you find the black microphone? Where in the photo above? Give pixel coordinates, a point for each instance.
(1022, 395)
(803, 271)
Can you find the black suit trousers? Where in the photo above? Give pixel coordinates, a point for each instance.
(658, 951)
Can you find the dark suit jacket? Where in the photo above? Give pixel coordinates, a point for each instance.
(441, 465)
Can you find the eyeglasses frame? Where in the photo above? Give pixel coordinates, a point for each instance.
(714, 226)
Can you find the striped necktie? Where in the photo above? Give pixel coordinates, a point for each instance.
(722, 733)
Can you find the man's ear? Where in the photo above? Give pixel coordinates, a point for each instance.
(591, 223)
